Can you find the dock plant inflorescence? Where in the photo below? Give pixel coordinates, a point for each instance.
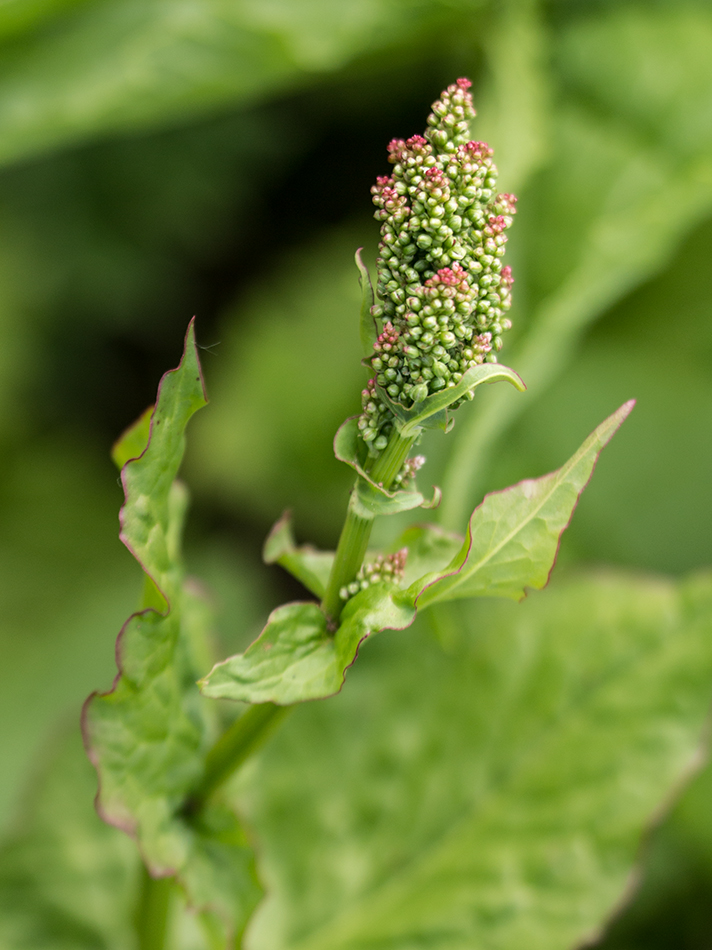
(442, 290)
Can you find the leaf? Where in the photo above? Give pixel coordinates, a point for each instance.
(367, 325)
(67, 880)
(496, 797)
(147, 736)
(296, 659)
(372, 499)
(310, 566)
(429, 549)
(431, 411)
(132, 443)
(513, 536)
(126, 65)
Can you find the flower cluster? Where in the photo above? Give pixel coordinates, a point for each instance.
(442, 290)
(407, 473)
(388, 568)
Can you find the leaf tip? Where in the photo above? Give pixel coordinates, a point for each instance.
(613, 423)
(280, 540)
(190, 341)
(435, 500)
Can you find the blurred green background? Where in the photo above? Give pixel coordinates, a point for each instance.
(165, 158)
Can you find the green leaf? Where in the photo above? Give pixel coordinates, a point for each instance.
(125, 64)
(513, 536)
(148, 735)
(367, 325)
(310, 566)
(372, 499)
(67, 880)
(497, 796)
(431, 411)
(132, 443)
(295, 658)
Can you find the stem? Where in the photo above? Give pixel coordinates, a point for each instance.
(152, 913)
(356, 532)
(349, 557)
(391, 460)
(234, 746)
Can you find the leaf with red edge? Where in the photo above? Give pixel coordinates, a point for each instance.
(310, 566)
(296, 658)
(147, 737)
(513, 536)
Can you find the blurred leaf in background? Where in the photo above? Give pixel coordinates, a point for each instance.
(168, 158)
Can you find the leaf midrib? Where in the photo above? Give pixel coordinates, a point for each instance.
(563, 472)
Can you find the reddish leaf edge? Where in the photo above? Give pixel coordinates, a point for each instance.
(622, 412)
(130, 828)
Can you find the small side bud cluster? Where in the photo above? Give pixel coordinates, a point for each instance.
(387, 569)
(410, 467)
(442, 289)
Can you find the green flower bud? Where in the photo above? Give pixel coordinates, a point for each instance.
(419, 393)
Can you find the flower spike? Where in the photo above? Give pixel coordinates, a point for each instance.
(442, 291)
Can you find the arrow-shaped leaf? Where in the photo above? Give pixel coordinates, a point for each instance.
(513, 536)
(147, 736)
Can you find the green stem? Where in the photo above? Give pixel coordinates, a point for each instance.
(350, 553)
(153, 906)
(391, 460)
(356, 532)
(234, 746)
